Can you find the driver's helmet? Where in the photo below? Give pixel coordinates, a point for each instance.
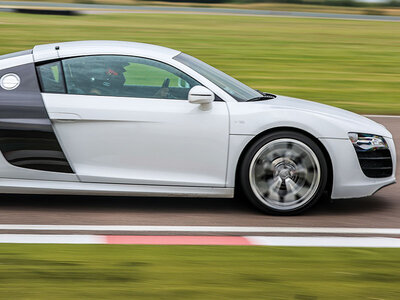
(107, 78)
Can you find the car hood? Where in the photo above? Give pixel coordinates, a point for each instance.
(347, 120)
(294, 103)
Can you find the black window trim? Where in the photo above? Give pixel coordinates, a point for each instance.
(39, 77)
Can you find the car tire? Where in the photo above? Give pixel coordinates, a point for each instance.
(283, 173)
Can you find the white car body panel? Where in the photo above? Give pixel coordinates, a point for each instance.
(321, 121)
(142, 141)
(348, 179)
(72, 49)
(183, 149)
(329, 124)
(21, 186)
(15, 61)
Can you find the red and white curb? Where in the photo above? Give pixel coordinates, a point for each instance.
(304, 241)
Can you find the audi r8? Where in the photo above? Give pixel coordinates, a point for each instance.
(124, 118)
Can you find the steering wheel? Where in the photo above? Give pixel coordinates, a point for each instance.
(165, 84)
(163, 92)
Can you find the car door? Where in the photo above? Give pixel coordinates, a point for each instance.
(126, 119)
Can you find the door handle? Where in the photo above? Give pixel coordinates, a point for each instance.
(64, 117)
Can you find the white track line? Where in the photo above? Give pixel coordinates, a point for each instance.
(50, 239)
(381, 116)
(233, 229)
(376, 242)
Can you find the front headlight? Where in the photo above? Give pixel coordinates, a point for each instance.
(367, 142)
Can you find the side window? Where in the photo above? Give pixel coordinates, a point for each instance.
(125, 76)
(51, 77)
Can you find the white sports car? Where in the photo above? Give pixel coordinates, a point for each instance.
(121, 118)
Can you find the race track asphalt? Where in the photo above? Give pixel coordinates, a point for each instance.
(98, 8)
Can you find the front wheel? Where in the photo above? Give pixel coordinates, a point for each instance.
(284, 173)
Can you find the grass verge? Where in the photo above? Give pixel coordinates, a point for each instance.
(197, 272)
(350, 64)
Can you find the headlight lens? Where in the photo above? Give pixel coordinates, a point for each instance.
(367, 142)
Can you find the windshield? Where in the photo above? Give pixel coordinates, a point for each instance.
(233, 87)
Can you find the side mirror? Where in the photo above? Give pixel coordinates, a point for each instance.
(200, 95)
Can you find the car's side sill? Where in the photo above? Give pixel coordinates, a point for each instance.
(22, 186)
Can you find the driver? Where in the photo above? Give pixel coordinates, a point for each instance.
(108, 79)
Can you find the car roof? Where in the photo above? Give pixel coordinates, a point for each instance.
(79, 48)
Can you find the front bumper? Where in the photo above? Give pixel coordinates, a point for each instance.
(349, 181)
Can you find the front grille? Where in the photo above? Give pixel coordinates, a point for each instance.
(377, 163)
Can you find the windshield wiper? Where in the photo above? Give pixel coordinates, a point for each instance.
(265, 96)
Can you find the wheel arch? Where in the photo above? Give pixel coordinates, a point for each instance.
(286, 128)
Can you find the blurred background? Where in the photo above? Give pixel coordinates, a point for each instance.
(339, 52)
(349, 63)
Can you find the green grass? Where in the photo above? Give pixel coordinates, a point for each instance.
(196, 272)
(350, 64)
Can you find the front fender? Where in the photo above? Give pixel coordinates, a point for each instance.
(252, 118)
